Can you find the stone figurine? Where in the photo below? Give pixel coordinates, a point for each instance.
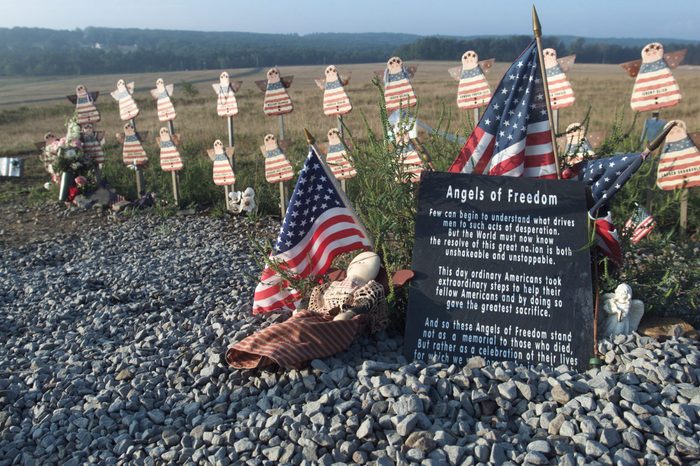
(621, 313)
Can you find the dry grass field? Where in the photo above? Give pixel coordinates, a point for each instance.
(31, 106)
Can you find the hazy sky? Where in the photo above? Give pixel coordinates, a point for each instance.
(592, 18)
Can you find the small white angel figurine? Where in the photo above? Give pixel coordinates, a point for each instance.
(622, 313)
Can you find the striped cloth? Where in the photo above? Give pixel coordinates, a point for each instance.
(166, 111)
(86, 110)
(303, 337)
(223, 173)
(133, 153)
(679, 165)
(655, 87)
(226, 103)
(170, 160)
(398, 91)
(412, 163)
(277, 167)
(561, 95)
(640, 224)
(127, 106)
(473, 90)
(277, 101)
(338, 162)
(93, 147)
(335, 99)
(577, 148)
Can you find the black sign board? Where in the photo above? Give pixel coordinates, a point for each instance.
(502, 271)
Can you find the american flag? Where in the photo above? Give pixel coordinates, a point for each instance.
(655, 87)
(679, 165)
(561, 95)
(513, 137)
(318, 226)
(640, 224)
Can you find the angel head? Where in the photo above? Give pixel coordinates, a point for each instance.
(129, 129)
(331, 73)
(218, 147)
(88, 128)
(470, 60)
(394, 65)
(270, 142)
(49, 137)
(678, 132)
(160, 84)
(164, 134)
(80, 90)
(223, 79)
(652, 52)
(121, 85)
(575, 131)
(333, 136)
(273, 75)
(550, 57)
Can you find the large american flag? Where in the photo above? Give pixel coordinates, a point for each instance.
(513, 137)
(318, 226)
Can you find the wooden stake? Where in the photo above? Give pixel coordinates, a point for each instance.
(283, 200)
(174, 174)
(140, 182)
(652, 172)
(281, 127)
(684, 212)
(228, 189)
(537, 29)
(476, 116)
(340, 126)
(555, 114)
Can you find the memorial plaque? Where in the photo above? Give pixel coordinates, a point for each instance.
(502, 271)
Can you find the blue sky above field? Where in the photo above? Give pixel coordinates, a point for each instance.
(590, 18)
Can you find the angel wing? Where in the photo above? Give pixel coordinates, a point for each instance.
(155, 93)
(323, 147)
(321, 83)
(120, 137)
(632, 67)
(142, 135)
(262, 84)
(177, 139)
(263, 150)
(130, 87)
(100, 136)
(40, 145)
(211, 154)
(217, 88)
(673, 59)
(169, 89)
(230, 151)
(235, 85)
(565, 63)
(456, 72)
(94, 95)
(345, 78)
(486, 65)
(379, 73)
(73, 98)
(411, 70)
(158, 140)
(287, 80)
(284, 144)
(695, 137)
(595, 138)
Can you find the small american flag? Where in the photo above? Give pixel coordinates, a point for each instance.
(513, 137)
(318, 226)
(640, 224)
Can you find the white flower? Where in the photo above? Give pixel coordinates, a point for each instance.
(75, 166)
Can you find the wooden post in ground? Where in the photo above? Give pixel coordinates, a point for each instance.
(140, 182)
(174, 174)
(476, 116)
(555, 115)
(283, 189)
(684, 212)
(231, 188)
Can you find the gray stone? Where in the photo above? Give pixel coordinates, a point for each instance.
(535, 457)
(540, 446)
(610, 437)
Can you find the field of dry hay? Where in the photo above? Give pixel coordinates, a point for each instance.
(31, 106)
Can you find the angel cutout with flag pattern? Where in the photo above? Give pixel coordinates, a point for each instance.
(578, 143)
(335, 100)
(277, 100)
(277, 167)
(473, 90)
(170, 160)
(408, 153)
(85, 105)
(48, 153)
(92, 143)
(132, 151)
(226, 102)
(223, 172)
(398, 90)
(561, 95)
(162, 94)
(654, 86)
(337, 157)
(127, 105)
(679, 165)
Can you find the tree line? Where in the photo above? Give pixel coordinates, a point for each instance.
(42, 52)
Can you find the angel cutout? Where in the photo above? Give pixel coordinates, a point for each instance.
(226, 103)
(277, 167)
(679, 165)
(276, 101)
(92, 143)
(48, 148)
(473, 90)
(132, 151)
(578, 144)
(335, 99)
(409, 156)
(85, 105)
(561, 95)
(127, 106)
(337, 157)
(170, 160)
(223, 172)
(162, 93)
(654, 86)
(398, 90)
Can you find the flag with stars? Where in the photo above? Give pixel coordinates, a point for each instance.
(640, 224)
(319, 225)
(513, 137)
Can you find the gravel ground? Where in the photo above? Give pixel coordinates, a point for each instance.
(111, 353)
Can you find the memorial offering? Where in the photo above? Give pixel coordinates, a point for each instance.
(502, 271)
(85, 105)
(577, 147)
(335, 100)
(128, 109)
(277, 100)
(226, 103)
(561, 95)
(640, 224)
(133, 153)
(223, 172)
(337, 157)
(679, 165)
(654, 86)
(411, 160)
(398, 90)
(162, 94)
(277, 167)
(170, 159)
(473, 90)
(93, 142)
